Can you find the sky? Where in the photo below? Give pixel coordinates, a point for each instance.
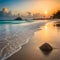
(42, 6)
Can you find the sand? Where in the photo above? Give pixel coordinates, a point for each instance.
(21, 36)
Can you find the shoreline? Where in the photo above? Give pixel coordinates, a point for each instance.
(17, 55)
(31, 51)
(32, 27)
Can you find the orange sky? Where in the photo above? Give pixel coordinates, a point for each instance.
(46, 7)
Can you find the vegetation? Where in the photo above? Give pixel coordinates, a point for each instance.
(56, 15)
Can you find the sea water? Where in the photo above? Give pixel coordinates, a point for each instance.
(11, 37)
(11, 21)
(14, 34)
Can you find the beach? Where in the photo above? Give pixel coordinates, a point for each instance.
(29, 29)
(28, 52)
(31, 50)
(14, 36)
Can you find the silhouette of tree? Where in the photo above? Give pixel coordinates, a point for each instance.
(56, 15)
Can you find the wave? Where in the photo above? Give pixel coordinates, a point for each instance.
(13, 37)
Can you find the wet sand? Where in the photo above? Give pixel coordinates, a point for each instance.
(31, 51)
(25, 53)
(14, 36)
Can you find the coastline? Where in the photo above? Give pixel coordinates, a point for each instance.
(26, 27)
(16, 56)
(29, 51)
(24, 53)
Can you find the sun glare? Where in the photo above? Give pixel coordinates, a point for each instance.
(46, 12)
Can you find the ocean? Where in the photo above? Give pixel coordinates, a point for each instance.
(14, 34)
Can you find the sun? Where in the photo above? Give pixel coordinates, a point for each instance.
(46, 12)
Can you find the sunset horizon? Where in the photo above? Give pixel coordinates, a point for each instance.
(29, 29)
(45, 7)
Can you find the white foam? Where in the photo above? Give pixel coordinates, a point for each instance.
(14, 40)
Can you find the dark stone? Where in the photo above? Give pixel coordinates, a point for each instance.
(57, 24)
(46, 48)
(19, 18)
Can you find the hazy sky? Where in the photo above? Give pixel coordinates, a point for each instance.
(30, 5)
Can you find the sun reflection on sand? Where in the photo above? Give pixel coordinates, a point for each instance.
(47, 34)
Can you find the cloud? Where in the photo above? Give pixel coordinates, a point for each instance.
(5, 15)
(5, 10)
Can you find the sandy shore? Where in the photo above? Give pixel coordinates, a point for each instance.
(23, 54)
(28, 52)
(17, 36)
(31, 51)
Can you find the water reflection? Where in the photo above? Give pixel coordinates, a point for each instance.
(49, 34)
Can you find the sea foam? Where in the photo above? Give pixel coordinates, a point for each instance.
(14, 36)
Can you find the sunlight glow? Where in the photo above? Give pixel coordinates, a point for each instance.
(46, 12)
